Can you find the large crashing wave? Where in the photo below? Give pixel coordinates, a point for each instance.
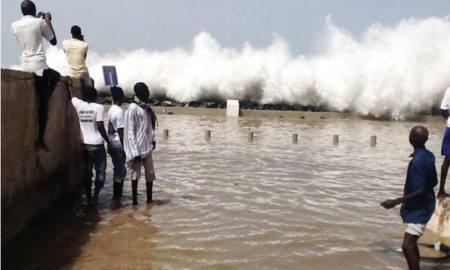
(389, 71)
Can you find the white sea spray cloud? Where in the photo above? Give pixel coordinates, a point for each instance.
(388, 71)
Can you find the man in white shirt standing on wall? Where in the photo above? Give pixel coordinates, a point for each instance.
(115, 133)
(139, 140)
(90, 115)
(76, 50)
(30, 32)
(445, 151)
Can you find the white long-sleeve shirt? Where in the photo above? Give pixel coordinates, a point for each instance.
(138, 133)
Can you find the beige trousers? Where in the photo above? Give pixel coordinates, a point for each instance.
(84, 78)
(147, 163)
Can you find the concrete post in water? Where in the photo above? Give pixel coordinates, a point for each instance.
(250, 136)
(208, 135)
(232, 108)
(294, 138)
(373, 141)
(335, 139)
(165, 134)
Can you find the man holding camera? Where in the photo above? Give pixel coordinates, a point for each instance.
(76, 50)
(29, 32)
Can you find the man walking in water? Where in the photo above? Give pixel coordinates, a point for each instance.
(76, 50)
(418, 201)
(139, 140)
(29, 32)
(90, 115)
(445, 150)
(115, 133)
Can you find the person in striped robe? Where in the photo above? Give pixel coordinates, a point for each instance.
(139, 140)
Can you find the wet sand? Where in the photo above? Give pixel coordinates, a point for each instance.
(230, 204)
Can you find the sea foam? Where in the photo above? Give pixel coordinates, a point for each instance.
(395, 71)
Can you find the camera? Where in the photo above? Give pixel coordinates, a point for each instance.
(42, 15)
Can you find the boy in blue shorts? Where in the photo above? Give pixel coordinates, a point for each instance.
(418, 199)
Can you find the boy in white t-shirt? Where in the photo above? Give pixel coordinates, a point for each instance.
(94, 135)
(445, 151)
(115, 133)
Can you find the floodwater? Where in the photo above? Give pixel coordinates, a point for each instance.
(232, 204)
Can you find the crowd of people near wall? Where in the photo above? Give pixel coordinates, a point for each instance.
(130, 138)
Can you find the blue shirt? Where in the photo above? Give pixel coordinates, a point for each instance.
(421, 175)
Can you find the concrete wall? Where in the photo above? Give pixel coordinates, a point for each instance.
(32, 177)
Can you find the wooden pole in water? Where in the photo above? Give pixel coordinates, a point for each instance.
(165, 134)
(294, 138)
(250, 136)
(335, 139)
(208, 135)
(373, 141)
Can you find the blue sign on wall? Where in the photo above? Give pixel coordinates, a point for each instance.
(110, 75)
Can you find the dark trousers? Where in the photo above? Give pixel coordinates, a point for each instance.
(94, 156)
(45, 85)
(118, 160)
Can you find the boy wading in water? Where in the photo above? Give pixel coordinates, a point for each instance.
(139, 140)
(94, 135)
(115, 133)
(418, 199)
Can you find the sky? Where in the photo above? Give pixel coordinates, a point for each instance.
(115, 25)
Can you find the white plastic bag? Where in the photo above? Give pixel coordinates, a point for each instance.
(440, 221)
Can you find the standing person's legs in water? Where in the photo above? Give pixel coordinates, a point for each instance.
(147, 163)
(445, 151)
(135, 175)
(149, 176)
(120, 171)
(444, 173)
(94, 157)
(411, 251)
(45, 85)
(99, 155)
(88, 165)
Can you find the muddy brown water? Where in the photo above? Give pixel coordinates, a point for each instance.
(231, 204)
